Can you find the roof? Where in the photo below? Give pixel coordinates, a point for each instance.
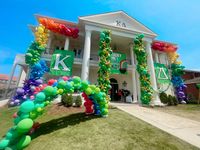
(111, 17)
(192, 70)
(6, 77)
(192, 81)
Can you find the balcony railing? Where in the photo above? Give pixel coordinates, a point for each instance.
(94, 58)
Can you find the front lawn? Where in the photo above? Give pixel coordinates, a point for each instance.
(69, 128)
(191, 111)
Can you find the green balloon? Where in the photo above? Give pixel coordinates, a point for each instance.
(4, 143)
(27, 106)
(97, 90)
(93, 87)
(104, 111)
(9, 148)
(61, 84)
(24, 141)
(49, 90)
(24, 125)
(17, 120)
(88, 91)
(40, 96)
(33, 115)
(76, 79)
(84, 85)
(24, 115)
(9, 134)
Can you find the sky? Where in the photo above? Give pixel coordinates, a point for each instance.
(176, 21)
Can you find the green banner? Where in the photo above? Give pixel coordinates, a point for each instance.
(119, 63)
(198, 85)
(162, 73)
(61, 63)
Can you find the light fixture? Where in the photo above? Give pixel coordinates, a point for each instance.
(124, 84)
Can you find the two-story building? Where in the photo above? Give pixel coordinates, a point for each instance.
(123, 30)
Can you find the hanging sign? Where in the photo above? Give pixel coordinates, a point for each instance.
(119, 63)
(162, 73)
(61, 63)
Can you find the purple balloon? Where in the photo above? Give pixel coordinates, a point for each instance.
(12, 103)
(32, 88)
(38, 81)
(20, 91)
(17, 101)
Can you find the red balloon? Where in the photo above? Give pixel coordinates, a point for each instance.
(15, 115)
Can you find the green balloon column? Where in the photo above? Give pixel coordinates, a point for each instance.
(105, 52)
(105, 61)
(145, 84)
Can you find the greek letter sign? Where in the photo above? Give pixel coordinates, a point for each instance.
(119, 63)
(61, 63)
(162, 73)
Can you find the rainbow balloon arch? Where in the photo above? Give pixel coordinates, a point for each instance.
(34, 96)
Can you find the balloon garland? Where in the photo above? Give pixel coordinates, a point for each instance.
(164, 47)
(105, 61)
(30, 85)
(37, 68)
(176, 67)
(19, 136)
(145, 84)
(35, 95)
(59, 28)
(35, 50)
(178, 83)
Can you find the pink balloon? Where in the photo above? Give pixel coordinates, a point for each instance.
(65, 78)
(32, 97)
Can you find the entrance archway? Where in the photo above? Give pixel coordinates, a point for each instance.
(114, 89)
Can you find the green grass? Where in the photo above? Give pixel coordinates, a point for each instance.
(191, 111)
(62, 130)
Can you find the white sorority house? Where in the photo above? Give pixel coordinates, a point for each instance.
(123, 30)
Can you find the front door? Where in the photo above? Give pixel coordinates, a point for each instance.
(114, 89)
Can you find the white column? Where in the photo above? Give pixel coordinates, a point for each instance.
(66, 43)
(49, 44)
(138, 86)
(156, 57)
(134, 84)
(156, 99)
(10, 79)
(86, 56)
(19, 76)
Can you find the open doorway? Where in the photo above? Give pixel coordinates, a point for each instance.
(114, 89)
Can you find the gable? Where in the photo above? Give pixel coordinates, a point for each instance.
(119, 19)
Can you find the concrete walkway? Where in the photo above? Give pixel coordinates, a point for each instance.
(183, 128)
(3, 102)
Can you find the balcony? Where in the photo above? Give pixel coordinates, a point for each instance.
(78, 59)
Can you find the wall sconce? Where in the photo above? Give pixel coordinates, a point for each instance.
(124, 84)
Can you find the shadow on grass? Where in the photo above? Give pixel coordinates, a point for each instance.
(60, 123)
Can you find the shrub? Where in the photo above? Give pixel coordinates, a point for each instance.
(78, 101)
(164, 98)
(191, 99)
(64, 98)
(67, 100)
(175, 100)
(170, 100)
